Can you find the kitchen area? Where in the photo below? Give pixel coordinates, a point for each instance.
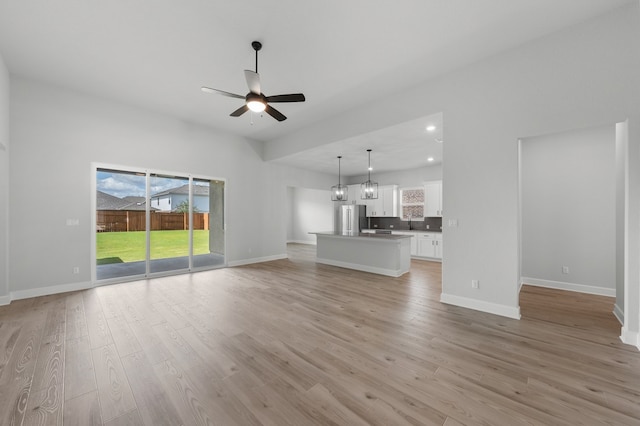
(381, 235)
(386, 216)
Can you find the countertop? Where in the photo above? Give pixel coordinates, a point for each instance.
(436, 231)
(362, 235)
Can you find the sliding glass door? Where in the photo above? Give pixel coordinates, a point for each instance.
(169, 215)
(150, 223)
(121, 226)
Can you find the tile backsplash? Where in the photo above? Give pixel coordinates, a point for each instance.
(433, 223)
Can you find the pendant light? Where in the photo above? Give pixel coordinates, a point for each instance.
(369, 189)
(339, 192)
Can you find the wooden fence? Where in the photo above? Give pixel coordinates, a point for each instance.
(134, 220)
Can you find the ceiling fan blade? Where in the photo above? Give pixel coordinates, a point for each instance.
(293, 97)
(220, 92)
(239, 111)
(275, 113)
(253, 81)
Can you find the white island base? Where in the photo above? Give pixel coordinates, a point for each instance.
(380, 254)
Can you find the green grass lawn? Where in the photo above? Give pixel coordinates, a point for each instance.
(118, 247)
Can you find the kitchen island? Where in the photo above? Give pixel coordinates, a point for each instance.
(383, 254)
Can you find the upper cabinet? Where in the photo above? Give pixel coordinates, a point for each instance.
(433, 198)
(353, 194)
(386, 205)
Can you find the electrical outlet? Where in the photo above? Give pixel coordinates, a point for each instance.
(565, 269)
(475, 284)
(76, 269)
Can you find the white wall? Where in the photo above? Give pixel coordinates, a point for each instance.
(410, 177)
(311, 211)
(56, 136)
(4, 183)
(583, 76)
(568, 210)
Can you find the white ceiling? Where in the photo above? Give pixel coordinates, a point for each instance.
(403, 146)
(340, 54)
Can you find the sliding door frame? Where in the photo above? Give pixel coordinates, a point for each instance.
(148, 172)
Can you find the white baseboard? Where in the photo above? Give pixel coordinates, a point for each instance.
(480, 305)
(618, 313)
(630, 337)
(45, 291)
(430, 259)
(5, 300)
(309, 242)
(366, 268)
(559, 285)
(256, 260)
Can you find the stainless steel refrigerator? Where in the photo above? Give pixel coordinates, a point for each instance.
(351, 218)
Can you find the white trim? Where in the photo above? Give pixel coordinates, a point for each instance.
(309, 242)
(617, 312)
(5, 300)
(630, 337)
(46, 291)
(580, 288)
(257, 260)
(366, 268)
(480, 305)
(430, 259)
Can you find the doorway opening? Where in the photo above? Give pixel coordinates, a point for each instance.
(568, 198)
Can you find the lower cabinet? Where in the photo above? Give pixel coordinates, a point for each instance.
(430, 245)
(423, 244)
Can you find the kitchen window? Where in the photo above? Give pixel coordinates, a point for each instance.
(412, 203)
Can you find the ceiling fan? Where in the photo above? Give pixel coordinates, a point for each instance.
(255, 100)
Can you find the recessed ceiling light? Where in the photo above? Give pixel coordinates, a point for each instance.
(430, 159)
(431, 128)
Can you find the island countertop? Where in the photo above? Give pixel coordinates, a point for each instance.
(364, 235)
(384, 254)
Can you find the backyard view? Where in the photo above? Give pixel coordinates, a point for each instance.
(136, 210)
(118, 247)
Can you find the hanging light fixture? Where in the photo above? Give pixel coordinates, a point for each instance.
(339, 192)
(369, 189)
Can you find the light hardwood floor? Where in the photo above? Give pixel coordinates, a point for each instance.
(290, 342)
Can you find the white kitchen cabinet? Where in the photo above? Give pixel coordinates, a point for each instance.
(353, 194)
(430, 245)
(386, 205)
(433, 198)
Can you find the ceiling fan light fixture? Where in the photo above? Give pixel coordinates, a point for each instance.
(255, 102)
(256, 105)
